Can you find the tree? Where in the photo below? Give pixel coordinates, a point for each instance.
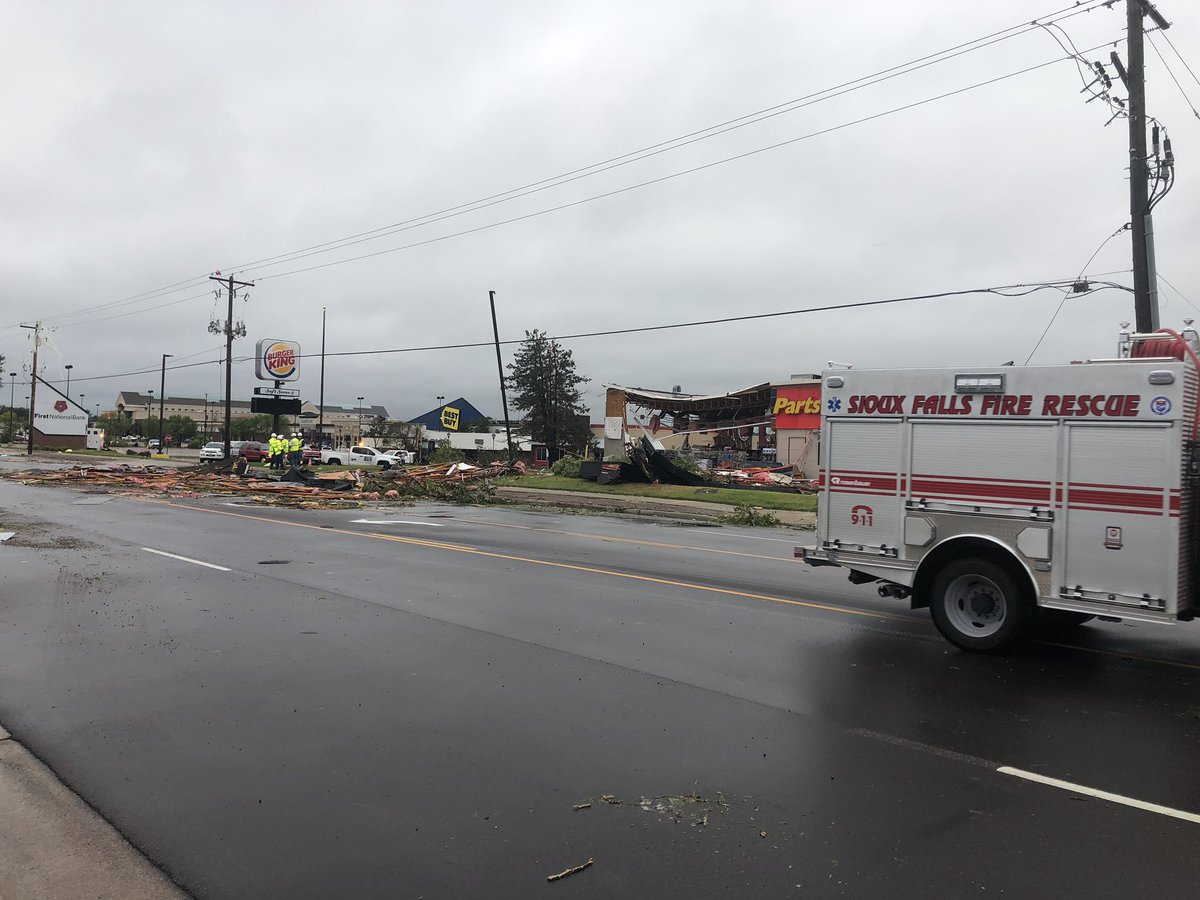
(181, 429)
(115, 425)
(252, 428)
(545, 387)
(478, 426)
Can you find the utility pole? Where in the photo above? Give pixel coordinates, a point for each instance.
(321, 397)
(37, 342)
(500, 368)
(231, 286)
(1145, 288)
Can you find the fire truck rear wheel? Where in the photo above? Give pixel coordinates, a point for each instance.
(978, 605)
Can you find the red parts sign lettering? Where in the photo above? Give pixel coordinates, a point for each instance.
(797, 406)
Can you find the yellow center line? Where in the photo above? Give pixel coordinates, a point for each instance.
(620, 540)
(459, 548)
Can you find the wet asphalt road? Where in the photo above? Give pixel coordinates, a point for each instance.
(413, 705)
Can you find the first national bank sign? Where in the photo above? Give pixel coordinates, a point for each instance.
(54, 414)
(277, 360)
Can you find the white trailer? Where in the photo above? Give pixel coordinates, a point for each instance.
(999, 496)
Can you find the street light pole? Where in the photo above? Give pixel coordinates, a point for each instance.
(68, 367)
(359, 439)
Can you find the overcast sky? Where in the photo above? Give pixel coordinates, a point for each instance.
(149, 144)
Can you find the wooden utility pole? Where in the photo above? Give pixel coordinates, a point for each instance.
(321, 396)
(231, 288)
(37, 342)
(1145, 288)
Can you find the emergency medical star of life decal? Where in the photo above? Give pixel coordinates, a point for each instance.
(834, 404)
(1160, 406)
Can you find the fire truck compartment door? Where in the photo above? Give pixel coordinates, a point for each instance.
(862, 499)
(1120, 536)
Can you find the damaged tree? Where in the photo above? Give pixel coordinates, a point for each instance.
(545, 388)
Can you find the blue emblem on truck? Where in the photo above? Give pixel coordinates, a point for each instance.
(1160, 406)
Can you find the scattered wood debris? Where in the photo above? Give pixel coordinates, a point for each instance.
(301, 487)
(570, 871)
(579, 806)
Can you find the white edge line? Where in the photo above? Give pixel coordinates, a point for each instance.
(395, 522)
(187, 559)
(1100, 795)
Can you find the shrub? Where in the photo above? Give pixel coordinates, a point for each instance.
(445, 453)
(566, 467)
(745, 514)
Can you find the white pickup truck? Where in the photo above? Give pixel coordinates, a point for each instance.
(365, 456)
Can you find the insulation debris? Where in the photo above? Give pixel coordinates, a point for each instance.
(459, 482)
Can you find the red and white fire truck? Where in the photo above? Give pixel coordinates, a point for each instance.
(1000, 496)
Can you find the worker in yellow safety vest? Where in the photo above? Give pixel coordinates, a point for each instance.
(294, 445)
(274, 450)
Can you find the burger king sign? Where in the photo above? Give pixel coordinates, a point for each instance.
(277, 360)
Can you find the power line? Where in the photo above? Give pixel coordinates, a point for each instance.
(673, 175)
(1178, 292)
(665, 146)
(1171, 44)
(1002, 290)
(1009, 290)
(1067, 294)
(1183, 93)
(632, 156)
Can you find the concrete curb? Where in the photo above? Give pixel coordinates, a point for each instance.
(56, 847)
(654, 507)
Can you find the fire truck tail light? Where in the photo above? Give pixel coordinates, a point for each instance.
(979, 384)
(1162, 377)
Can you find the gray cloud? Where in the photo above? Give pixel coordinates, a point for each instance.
(157, 142)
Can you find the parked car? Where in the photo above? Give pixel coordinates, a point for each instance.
(153, 445)
(312, 456)
(253, 451)
(213, 450)
(398, 458)
(357, 456)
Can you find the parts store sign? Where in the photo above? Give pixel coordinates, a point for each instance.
(55, 414)
(277, 360)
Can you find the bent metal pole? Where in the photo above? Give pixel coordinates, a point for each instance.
(500, 369)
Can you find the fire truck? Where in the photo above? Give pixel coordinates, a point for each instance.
(998, 497)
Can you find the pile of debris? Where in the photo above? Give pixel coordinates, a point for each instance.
(649, 464)
(458, 482)
(455, 483)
